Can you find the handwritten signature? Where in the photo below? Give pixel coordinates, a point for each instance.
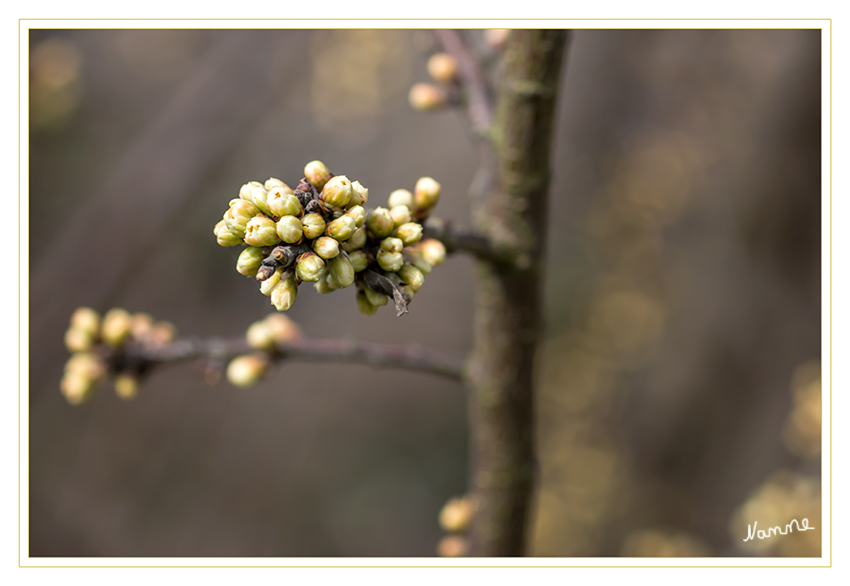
(752, 533)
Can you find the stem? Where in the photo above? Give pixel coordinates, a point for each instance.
(508, 308)
(472, 77)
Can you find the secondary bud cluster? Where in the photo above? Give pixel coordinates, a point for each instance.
(320, 232)
(97, 346)
(443, 69)
(455, 518)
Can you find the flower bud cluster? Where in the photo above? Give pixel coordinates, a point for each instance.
(455, 518)
(96, 344)
(443, 69)
(320, 232)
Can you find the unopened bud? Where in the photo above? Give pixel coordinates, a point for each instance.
(224, 236)
(317, 174)
(283, 330)
(78, 340)
(309, 267)
(86, 319)
(256, 193)
(359, 195)
(283, 203)
(322, 286)
(337, 191)
(87, 365)
(240, 213)
(375, 298)
(426, 193)
(425, 97)
(356, 241)
(246, 371)
(116, 327)
(140, 325)
(259, 336)
(433, 251)
(390, 261)
(249, 261)
(412, 276)
(78, 388)
(326, 247)
(313, 226)
(267, 285)
(126, 386)
(414, 257)
(261, 231)
(409, 233)
(358, 214)
(392, 244)
(359, 260)
(497, 37)
(380, 223)
(363, 304)
(452, 546)
(271, 183)
(289, 229)
(442, 67)
(342, 228)
(283, 295)
(401, 197)
(401, 215)
(341, 270)
(456, 515)
(162, 333)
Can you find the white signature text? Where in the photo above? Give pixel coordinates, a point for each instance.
(752, 533)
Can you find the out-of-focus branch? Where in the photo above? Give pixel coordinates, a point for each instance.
(472, 77)
(462, 239)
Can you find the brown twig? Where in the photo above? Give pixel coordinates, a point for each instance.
(461, 239)
(472, 78)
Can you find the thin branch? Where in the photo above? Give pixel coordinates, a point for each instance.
(408, 357)
(472, 77)
(461, 239)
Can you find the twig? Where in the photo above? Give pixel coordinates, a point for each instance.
(471, 76)
(461, 239)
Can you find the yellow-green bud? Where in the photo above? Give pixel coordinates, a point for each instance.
(322, 286)
(341, 270)
(313, 226)
(426, 193)
(246, 371)
(289, 229)
(390, 261)
(359, 260)
(261, 231)
(342, 228)
(256, 193)
(283, 203)
(363, 304)
(414, 257)
(359, 195)
(126, 386)
(401, 197)
(380, 223)
(456, 515)
(358, 214)
(140, 325)
(86, 319)
(271, 183)
(309, 267)
(412, 276)
(78, 388)
(87, 365)
(240, 213)
(400, 215)
(337, 191)
(78, 340)
(409, 233)
(224, 236)
(391, 244)
(270, 283)
(284, 293)
(283, 329)
(326, 247)
(375, 298)
(259, 336)
(425, 97)
(433, 251)
(442, 67)
(356, 241)
(116, 327)
(249, 261)
(317, 174)
(452, 546)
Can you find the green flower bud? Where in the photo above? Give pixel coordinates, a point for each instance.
(78, 388)
(259, 336)
(78, 340)
(309, 267)
(86, 319)
(282, 202)
(254, 192)
(442, 67)
(326, 247)
(359, 195)
(391, 244)
(357, 240)
(415, 258)
(261, 231)
(317, 174)
(412, 276)
(283, 330)
(358, 214)
(87, 365)
(380, 223)
(433, 251)
(342, 228)
(271, 183)
(270, 283)
(313, 226)
(224, 236)
(409, 233)
(284, 293)
(337, 191)
(249, 261)
(359, 260)
(126, 386)
(426, 193)
(116, 327)
(401, 197)
(363, 304)
(322, 286)
(400, 215)
(240, 213)
(390, 261)
(246, 371)
(375, 298)
(341, 270)
(289, 229)
(425, 97)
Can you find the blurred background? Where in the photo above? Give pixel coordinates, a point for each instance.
(679, 380)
